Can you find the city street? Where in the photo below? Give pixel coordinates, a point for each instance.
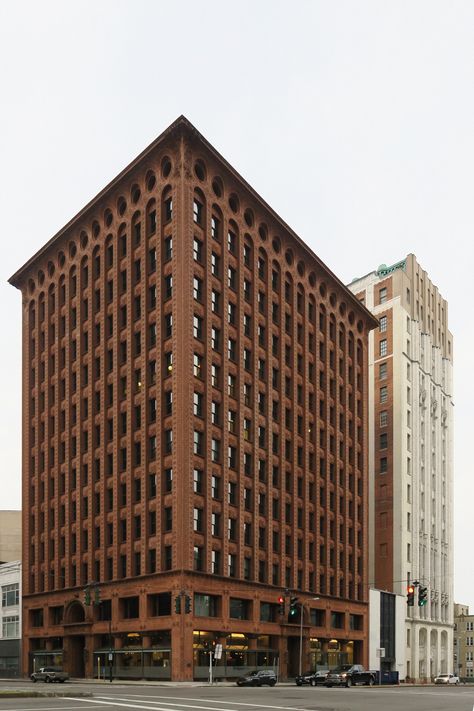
(120, 696)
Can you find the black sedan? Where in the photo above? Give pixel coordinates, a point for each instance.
(258, 678)
(316, 678)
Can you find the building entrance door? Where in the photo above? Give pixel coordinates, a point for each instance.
(75, 656)
(293, 656)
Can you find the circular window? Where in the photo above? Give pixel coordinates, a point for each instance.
(289, 257)
(95, 229)
(342, 309)
(218, 186)
(84, 239)
(360, 326)
(351, 317)
(300, 268)
(41, 276)
(332, 299)
(322, 289)
(135, 193)
(248, 217)
(200, 170)
(121, 205)
(31, 286)
(312, 279)
(263, 231)
(165, 167)
(72, 249)
(151, 180)
(276, 244)
(108, 217)
(61, 259)
(51, 269)
(234, 203)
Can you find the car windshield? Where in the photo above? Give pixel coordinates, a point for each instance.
(343, 667)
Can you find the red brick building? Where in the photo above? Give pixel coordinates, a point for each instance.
(194, 432)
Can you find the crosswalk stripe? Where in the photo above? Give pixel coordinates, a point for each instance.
(210, 701)
(170, 703)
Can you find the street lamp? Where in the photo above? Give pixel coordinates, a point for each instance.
(301, 635)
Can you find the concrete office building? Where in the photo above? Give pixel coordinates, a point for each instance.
(10, 536)
(411, 460)
(194, 431)
(463, 657)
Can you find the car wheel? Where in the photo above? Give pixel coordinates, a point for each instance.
(329, 686)
(273, 682)
(34, 679)
(61, 681)
(299, 683)
(47, 680)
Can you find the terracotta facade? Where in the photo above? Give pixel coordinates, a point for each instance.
(194, 432)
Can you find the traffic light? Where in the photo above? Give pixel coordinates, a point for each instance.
(292, 614)
(87, 596)
(281, 602)
(187, 604)
(177, 604)
(422, 596)
(410, 595)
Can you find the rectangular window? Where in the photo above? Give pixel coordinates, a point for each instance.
(206, 605)
(11, 626)
(10, 594)
(383, 371)
(383, 323)
(383, 418)
(198, 366)
(383, 394)
(197, 327)
(382, 295)
(383, 347)
(239, 609)
(197, 250)
(197, 212)
(215, 228)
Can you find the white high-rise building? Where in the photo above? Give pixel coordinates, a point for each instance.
(411, 457)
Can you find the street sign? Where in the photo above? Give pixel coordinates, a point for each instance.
(218, 651)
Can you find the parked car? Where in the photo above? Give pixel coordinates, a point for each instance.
(316, 678)
(349, 674)
(50, 674)
(446, 679)
(258, 678)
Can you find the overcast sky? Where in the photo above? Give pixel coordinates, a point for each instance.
(354, 120)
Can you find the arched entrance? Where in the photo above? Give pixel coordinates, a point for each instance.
(74, 639)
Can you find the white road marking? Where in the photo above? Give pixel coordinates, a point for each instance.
(131, 705)
(169, 703)
(47, 708)
(221, 701)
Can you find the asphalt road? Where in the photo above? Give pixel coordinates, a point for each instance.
(118, 696)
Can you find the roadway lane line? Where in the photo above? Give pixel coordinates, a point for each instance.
(169, 703)
(47, 708)
(210, 701)
(131, 705)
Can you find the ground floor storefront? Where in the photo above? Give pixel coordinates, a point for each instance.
(150, 656)
(191, 631)
(10, 658)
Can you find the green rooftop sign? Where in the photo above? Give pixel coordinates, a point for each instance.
(383, 270)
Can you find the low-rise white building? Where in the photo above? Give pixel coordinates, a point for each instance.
(10, 619)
